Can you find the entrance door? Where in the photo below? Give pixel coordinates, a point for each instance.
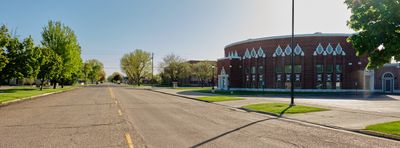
(388, 86)
(387, 82)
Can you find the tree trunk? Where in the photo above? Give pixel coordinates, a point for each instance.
(54, 85)
(41, 85)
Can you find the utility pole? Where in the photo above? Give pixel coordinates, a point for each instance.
(152, 69)
(292, 61)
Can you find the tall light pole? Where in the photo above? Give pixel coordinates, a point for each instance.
(212, 79)
(229, 79)
(292, 61)
(152, 69)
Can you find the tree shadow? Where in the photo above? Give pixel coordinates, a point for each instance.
(283, 112)
(229, 132)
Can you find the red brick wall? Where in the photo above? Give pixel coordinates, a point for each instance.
(350, 73)
(379, 73)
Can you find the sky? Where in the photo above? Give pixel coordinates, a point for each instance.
(192, 29)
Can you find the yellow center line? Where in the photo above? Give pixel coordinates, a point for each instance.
(111, 93)
(129, 140)
(119, 112)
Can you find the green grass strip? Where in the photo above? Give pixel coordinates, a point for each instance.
(193, 88)
(219, 98)
(282, 108)
(26, 91)
(388, 128)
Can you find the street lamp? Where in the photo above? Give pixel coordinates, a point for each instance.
(212, 79)
(229, 82)
(292, 60)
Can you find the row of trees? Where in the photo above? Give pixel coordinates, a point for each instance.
(57, 59)
(176, 69)
(93, 70)
(137, 67)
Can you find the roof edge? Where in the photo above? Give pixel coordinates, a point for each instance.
(288, 36)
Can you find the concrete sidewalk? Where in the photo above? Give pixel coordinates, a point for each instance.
(353, 113)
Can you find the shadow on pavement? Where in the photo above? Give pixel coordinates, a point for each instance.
(283, 112)
(229, 132)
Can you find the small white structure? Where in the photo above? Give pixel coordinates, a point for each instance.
(223, 80)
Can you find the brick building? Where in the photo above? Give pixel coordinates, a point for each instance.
(323, 62)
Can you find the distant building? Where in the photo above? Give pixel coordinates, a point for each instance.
(323, 63)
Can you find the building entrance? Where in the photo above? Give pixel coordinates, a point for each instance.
(387, 82)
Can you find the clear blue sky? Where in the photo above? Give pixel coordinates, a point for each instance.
(192, 29)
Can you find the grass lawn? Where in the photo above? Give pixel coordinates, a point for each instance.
(27, 91)
(282, 108)
(388, 128)
(194, 88)
(219, 98)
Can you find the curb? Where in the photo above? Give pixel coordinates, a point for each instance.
(191, 98)
(364, 132)
(6, 103)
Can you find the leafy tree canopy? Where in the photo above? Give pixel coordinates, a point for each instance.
(4, 37)
(63, 41)
(136, 65)
(93, 69)
(377, 23)
(174, 68)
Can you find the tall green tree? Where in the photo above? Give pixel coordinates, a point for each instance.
(377, 23)
(62, 40)
(32, 56)
(23, 59)
(203, 71)
(4, 37)
(174, 68)
(87, 68)
(94, 70)
(51, 65)
(136, 65)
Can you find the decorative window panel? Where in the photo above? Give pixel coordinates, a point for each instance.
(320, 68)
(329, 68)
(297, 77)
(338, 68)
(260, 69)
(278, 69)
(297, 68)
(319, 77)
(338, 77)
(288, 69)
(329, 77)
(287, 77)
(288, 50)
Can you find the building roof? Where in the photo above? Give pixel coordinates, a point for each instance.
(317, 34)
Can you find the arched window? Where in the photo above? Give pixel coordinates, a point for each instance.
(388, 76)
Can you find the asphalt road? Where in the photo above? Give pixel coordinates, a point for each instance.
(121, 117)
